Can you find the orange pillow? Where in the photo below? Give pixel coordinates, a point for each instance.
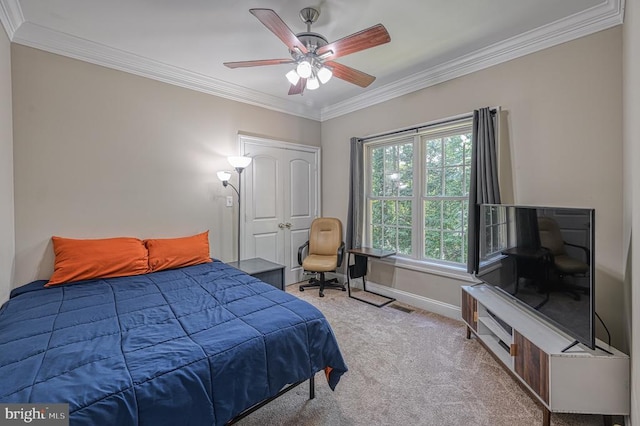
(169, 253)
(101, 258)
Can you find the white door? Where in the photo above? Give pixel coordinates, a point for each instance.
(280, 199)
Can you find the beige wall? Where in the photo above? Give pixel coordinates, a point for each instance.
(7, 248)
(563, 108)
(101, 153)
(631, 240)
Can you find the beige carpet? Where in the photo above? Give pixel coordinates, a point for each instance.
(406, 369)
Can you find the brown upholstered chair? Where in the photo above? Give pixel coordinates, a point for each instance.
(325, 253)
(561, 262)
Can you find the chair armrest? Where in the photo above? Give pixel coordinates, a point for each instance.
(340, 253)
(300, 250)
(586, 250)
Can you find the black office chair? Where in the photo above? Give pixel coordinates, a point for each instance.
(325, 253)
(560, 261)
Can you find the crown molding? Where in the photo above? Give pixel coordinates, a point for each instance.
(11, 16)
(600, 17)
(43, 38)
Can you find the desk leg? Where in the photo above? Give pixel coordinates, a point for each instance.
(348, 273)
(360, 270)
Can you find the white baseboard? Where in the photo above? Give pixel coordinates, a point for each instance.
(421, 302)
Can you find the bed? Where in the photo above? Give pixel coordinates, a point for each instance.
(194, 345)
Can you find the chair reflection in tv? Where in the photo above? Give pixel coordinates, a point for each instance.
(560, 263)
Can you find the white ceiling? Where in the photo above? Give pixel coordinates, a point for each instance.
(185, 42)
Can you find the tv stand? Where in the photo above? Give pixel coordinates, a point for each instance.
(575, 342)
(562, 376)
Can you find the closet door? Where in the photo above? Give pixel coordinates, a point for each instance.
(281, 199)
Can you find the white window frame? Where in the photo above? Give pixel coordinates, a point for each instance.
(417, 258)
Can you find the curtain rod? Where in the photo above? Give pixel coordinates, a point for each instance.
(423, 126)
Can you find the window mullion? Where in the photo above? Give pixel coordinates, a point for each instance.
(417, 216)
(444, 191)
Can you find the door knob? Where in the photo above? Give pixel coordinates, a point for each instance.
(288, 225)
(281, 225)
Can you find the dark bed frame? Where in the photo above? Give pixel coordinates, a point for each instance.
(245, 413)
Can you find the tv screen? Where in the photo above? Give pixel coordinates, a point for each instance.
(542, 257)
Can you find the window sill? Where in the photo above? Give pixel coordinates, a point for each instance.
(429, 268)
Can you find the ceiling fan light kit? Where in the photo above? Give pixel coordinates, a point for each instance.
(311, 53)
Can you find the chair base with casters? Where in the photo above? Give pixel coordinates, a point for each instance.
(560, 285)
(322, 283)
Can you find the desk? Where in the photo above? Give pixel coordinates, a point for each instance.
(269, 272)
(359, 270)
(527, 253)
(531, 263)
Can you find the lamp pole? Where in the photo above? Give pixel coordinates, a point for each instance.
(239, 163)
(239, 170)
(226, 183)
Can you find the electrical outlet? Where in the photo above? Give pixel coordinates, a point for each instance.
(229, 201)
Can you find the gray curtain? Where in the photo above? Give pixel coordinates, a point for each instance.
(484, 187)
(356, 194)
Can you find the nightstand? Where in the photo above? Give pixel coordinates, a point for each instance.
(269, 272)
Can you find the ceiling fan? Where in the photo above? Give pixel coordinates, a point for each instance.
(313, 55)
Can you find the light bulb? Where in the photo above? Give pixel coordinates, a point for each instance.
(324, 74)
(293, 77)
(312, 83)
(304, 69)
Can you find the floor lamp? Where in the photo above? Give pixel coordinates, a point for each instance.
(239, 163)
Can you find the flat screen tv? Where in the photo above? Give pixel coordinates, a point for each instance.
(542, 258)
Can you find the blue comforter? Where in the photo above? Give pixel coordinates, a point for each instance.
(189, 346)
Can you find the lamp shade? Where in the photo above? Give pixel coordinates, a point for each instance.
(239, 162)
(224, 175)
(324, 74)
(304, 69)
(293, 77)
(313, 84)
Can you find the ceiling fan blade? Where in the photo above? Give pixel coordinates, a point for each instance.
(273, 22)
(365, 39)
(298, 88)
(244, 64)
(351, 75)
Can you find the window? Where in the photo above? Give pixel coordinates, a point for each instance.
(496, 229)
(417, 192)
